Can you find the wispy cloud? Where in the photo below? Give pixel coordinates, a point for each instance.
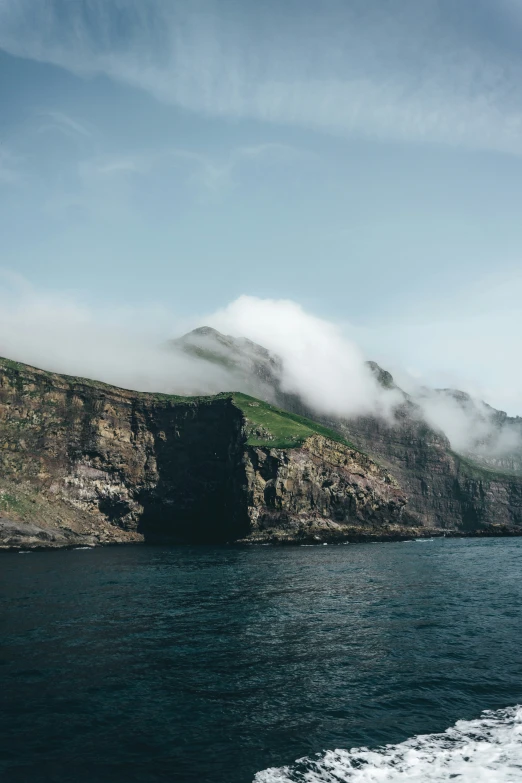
(215, 175)
(106, 186)
(409, 71)
(212, 174)
(57, 121)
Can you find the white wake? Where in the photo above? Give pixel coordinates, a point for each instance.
(486, 750)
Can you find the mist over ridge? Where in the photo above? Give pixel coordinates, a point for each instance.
(263, 347)
(311, 359)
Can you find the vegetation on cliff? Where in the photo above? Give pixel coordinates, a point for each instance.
(268, 425)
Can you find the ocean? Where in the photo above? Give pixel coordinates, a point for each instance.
(319, 664)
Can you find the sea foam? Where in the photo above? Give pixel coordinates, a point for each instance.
(485, 750)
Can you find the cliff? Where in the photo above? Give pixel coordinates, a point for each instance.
(473, 492)
(83, 463)
(322, 491)
(445, 490)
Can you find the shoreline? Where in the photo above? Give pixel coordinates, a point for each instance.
(358, 537)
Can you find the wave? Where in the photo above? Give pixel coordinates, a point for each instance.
(485, 750)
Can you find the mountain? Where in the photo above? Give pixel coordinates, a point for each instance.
(83, 463)
(448, 488)
(250, 367)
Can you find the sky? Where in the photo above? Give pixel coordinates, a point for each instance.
(161, 159)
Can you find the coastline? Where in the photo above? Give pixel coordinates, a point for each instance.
(354, 536)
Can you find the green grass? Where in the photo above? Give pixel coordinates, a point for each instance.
(276, 428)
(13, 503)
(10, 364)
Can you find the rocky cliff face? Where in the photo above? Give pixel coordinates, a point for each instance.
(445, 490)
(477, 490)
(322, 492)
(83, 463)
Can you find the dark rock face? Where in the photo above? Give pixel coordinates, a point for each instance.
(117, 465)
(322, 492)
(86, 463)
(445, 490)
(195, 493)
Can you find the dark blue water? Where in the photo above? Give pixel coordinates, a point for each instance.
(208, 664)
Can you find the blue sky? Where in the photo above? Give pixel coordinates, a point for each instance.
(361, 159)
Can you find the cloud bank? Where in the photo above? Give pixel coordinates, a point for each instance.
(327, 370)
(471, 425)
(118, 345)
(131, 348)
(407, 71)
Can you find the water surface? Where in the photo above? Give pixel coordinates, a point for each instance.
(150, 664)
